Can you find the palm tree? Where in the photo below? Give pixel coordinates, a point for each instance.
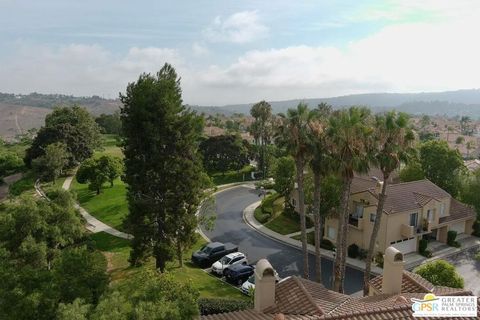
(320, 166)
(349, 133)
(392, 140)
(293, 135)
(262, 112)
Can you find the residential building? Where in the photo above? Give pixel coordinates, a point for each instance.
(299, 299)
(412, 211)
(472, 165)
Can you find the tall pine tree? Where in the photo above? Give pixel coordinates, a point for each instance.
(163, 168)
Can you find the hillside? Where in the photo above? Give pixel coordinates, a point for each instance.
(21, 112)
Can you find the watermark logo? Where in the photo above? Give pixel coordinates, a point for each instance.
(445, 306)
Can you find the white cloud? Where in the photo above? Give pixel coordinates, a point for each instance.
(80, 69)
(199, 49)
(240, 27)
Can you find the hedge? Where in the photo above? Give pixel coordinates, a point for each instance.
(213, 306)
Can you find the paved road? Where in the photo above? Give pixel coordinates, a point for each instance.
(469, 268)
(230, 227)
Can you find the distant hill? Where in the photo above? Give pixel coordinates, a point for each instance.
(21, 112)
(449, 103)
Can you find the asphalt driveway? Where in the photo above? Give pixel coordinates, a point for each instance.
(468, 268)
(230, 227)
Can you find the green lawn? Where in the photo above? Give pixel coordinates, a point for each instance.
(109, 146)
(110, 206)
(286, 223)
(23, 185)
(117, 251)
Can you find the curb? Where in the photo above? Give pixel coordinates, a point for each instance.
(257, 226)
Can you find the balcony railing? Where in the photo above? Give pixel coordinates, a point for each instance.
(355, 221)
(407, 231)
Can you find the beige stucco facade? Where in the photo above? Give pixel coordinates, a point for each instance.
(397, 229)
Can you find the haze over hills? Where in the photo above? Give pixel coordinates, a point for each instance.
(19, 113)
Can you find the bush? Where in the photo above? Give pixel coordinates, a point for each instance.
(477, 256)
(379, 259)
(476, 228)
(426, 253)
(422, 246)
(451, 236)
(353, 251)
(362, 254)
(261, 216)
(441, 273)
(214, 306)
(327, 244)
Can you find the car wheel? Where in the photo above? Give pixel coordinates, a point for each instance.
(239, 282)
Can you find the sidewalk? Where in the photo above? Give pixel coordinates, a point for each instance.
(252, 222)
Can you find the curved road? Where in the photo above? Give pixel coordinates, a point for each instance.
(287, 260)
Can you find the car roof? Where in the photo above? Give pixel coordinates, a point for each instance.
(239, 266)
(214, 244)
(235, 255)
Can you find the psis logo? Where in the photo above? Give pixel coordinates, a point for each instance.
(445, 306)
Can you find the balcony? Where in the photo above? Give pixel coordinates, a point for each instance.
(407, 231)
(355, 221)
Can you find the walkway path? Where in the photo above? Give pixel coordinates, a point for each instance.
(92, 224)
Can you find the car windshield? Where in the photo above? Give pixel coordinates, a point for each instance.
(206, 249)
(225, 260)
(252, 279)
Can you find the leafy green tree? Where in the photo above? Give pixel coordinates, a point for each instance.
(284, 177)
(97, 171)
(110, 123)
(163, 167)
(440, 273)
(465, 125)
(79, 273)
(224, 152)
(262, 130)
(442, 165)
(10, 163)
(150, 296)
(292, 135)
(470, 194)
(393, 144)
(74, 127)
(349, 133)
(50, 165)
(412, 172)
(77, 310)
(36, 228)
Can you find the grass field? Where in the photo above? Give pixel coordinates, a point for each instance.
(110, 206)
(109, 146)
(117, 251)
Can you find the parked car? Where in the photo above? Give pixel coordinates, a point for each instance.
(227, 261)
(250, 283)
(238, 273)
(211, 253)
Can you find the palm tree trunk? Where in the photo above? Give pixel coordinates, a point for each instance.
(318, 226)
(340, 258)
(373, 239)
(301, 208)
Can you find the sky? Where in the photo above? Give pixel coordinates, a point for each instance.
(231, 51)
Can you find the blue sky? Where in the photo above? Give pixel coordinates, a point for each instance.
(240, 51)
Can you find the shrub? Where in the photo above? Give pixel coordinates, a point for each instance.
(441, 273)
(214, 306)
(327, 244)
(422, 246)
(451, 236)
(476, 228)
(362, 254)
(379, 259)
(477, 256)
(261, 216)
(353, 251)
(426, 253)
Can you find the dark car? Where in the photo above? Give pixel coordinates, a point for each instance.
(212, 252)
(238, 273)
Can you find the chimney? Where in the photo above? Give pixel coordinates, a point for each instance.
(393, 266)
(264, 285)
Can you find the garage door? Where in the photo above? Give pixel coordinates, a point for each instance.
(406, 246)
(459, 227)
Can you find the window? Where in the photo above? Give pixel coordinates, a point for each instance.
(442, 210)
(413, 219)
(373, 216)
(331, 233)
(294, 202)
(358, 210)
(429, 215)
